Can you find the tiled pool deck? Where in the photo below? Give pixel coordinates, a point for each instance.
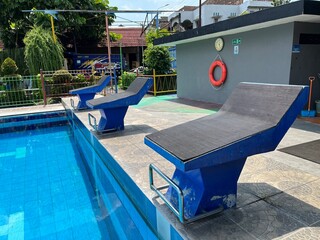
(278, 194)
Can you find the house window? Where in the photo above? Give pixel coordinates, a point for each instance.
(216, 16)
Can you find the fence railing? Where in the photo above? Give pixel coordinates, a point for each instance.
(162, 83)
(41, 89)
(53, 90)
(20, 91)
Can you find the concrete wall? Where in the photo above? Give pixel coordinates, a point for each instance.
(307, 62)
(264, 56)
(223, 10)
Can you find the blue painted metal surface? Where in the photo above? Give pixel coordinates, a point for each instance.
(113, 108)
(209, 181)
(112, 118)
(206, 189)
(88, 93)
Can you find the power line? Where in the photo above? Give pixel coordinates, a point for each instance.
(128, 20)
(99, 11)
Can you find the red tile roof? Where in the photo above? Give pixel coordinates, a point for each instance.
(1, 45)
(187, 8)
(130, 37)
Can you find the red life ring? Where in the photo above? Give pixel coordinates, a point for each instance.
(219, 82)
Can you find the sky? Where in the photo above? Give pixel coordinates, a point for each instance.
(145, 5)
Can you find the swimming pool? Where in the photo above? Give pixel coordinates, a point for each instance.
(50, 190)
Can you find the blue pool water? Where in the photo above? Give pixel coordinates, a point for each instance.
(45, 190)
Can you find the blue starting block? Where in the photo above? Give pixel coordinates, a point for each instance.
(209, 153)
(113, 108)
(87, 93)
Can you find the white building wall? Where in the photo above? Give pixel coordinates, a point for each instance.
(186, 15)
(225, 11)
(254, 5)
(208, 12)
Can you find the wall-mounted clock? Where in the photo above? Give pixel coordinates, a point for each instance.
(218, 44)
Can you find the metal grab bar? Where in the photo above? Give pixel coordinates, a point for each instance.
(94, 125)
(179, 213)
(72, 104)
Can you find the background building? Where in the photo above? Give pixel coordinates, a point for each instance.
(132, 45)
(213, 11)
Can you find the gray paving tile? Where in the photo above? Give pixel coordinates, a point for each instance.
(220, 227)
(245, 198)
(308, 233)
(216, 227)
(263, 220)
(302, 203)
(264, 175)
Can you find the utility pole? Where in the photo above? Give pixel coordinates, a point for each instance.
(199, 22)
(109, 48)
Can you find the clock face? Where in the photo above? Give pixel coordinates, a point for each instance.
(219, 44)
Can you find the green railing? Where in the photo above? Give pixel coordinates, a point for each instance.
(54, 90)
(39, 89)
(20, 91)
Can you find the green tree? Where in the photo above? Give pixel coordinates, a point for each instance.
(156, 33)
(114, 37)
(280, 2)
(155, 57)
(82, 28)
(41, 52)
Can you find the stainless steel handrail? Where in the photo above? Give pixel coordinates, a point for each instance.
(179, 213)
(94, 125)
(72, 104)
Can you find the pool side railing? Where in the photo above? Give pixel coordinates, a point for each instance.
(20, 91)
(17, 90)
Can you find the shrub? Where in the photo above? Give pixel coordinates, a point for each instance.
(61, 76)
(127, 78)
(8, 67)
(17, 54)
(61, 82)
(79, 81)
(79, 78)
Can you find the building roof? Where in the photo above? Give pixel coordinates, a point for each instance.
(299, 11)
(1, 45)
(130, 37)
(229, 2)
(223, 2)
(187, 8)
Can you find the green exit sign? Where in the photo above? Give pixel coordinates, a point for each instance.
(236, 41)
